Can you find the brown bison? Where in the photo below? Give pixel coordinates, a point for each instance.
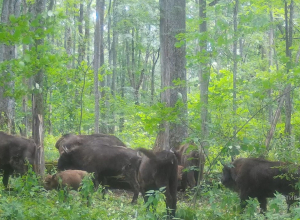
(190, 158)
(159, 170)
(67, 178)
(14, 152)
(72, 140)
(252, 177)
(104, 161)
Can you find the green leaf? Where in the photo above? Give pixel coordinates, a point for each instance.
(27, 40)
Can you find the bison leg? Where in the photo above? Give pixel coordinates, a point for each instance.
(184, 182)
(6, 174)
(5, 178)
(263, 204)
(131, 178)
(243, 201)
(191, 179)
(136, 188)
(289, 201)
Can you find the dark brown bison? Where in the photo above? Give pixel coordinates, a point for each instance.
(190, 158)
(104, 161)
(68, 178)
(159, 170)
(14, 152)
(72, 140)
(252, 177)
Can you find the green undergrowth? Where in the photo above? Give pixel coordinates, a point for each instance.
(29, 200)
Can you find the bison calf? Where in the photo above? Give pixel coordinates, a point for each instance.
(67, 178)
(259, 178)
(159, 170)
(190, 158)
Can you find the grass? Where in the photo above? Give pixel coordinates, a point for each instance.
(29, 200)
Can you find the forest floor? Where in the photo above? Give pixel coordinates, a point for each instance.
(29, 200)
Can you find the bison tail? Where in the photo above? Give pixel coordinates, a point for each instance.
(147, 153)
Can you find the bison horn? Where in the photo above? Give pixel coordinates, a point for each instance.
(138, 153)
(65, 149)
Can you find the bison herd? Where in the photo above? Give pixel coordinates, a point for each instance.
(106, 156)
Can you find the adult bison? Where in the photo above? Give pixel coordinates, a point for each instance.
(14, 151)
(68, 178)
(159, 170)
(103, 160)
(253, 177)
(72, 140)
(191, 158)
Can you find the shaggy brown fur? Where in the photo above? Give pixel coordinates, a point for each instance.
(253, 177)
(104, 161)
(14, 151)
(188, 158)
(158, 170)
(70, 178)
(71, 140)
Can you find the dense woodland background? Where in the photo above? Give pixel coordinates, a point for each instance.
(223, 74)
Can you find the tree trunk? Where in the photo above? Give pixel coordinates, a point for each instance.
(271, 57)
(235, 61)
(114, 62)
(172, 22)
(87, 30)
(103, 125)
(289, 43)
(96, 65)
(204, 74)
(37, 98)
(154, 61)
(8, 52)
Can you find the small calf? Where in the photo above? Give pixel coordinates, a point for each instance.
(179, 173)
(69, 178)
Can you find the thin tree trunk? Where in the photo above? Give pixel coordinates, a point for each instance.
(271, 57)
(204, 74)
(235, 61)
(103, 125)
(37, 99)
(96, 65)
(289, 43)
(154, 61)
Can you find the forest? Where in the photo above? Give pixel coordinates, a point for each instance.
(219, 76)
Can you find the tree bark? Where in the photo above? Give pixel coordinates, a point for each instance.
(37, 98)
(235, 61)
(289, 43)
(7, 53)
(204, 74)
(172, 22)
(96, 66)
(103, 125)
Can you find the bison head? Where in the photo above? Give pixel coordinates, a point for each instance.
(227, 178)
(50, 182)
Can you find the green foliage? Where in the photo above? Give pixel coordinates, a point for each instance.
(87, 188)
